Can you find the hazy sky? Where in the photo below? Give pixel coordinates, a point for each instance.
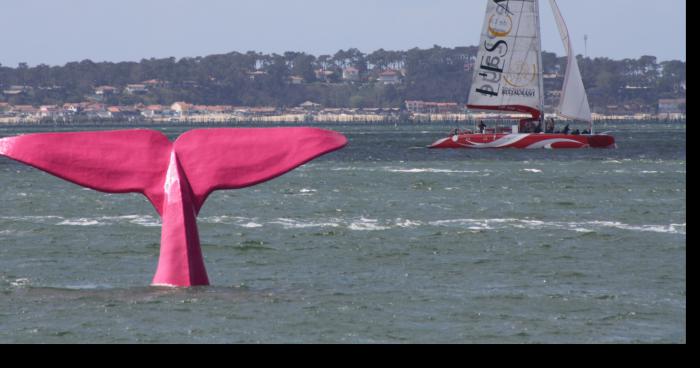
(58, 31)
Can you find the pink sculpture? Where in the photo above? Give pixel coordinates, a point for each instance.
(176, 177)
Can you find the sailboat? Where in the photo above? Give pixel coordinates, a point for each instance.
(508, 77)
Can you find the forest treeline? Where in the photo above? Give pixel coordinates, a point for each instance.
(289, 79)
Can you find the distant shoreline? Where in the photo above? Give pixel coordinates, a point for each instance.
(219, 123)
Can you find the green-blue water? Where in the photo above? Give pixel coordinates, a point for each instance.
(382, 242)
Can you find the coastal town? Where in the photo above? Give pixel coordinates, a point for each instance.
(96, 110)
(307, 112)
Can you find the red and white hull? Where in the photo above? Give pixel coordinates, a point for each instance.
(525, 141)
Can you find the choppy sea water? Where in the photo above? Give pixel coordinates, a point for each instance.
(382, 242)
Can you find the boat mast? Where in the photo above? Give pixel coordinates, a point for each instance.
(585, 41)
(540, 69)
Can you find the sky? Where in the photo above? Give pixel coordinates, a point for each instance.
(55, 32)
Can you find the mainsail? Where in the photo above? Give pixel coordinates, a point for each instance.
(574, 101)
(508, 71)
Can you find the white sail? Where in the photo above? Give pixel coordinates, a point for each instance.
(507, 73)
(574, 101)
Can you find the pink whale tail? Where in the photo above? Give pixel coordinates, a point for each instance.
(176, 177)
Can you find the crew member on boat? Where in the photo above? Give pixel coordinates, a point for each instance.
(538, 127)
(549, 128)
(566, 129)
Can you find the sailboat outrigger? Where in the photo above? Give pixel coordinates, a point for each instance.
(509, 78)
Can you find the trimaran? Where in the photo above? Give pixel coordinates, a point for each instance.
(508, 77)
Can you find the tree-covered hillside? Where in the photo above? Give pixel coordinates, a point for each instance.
(255, 79)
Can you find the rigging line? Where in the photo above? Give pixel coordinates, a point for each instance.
(516, 37)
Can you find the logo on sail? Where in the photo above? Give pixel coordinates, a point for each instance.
(521, 92)
(495, 51)
(500, 25)
(521, 74)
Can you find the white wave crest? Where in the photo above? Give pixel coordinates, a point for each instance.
(583, 227)
(351, 168)
(146, 221)
(430, 170)
(407, 223)
(251, 225)
(297, 224)
(31, 218)
(667, 229)
(80, 222)
(364, 224)
(20, 283)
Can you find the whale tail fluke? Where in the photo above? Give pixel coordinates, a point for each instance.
(216, 159)
(127, 161)
(176, 177)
